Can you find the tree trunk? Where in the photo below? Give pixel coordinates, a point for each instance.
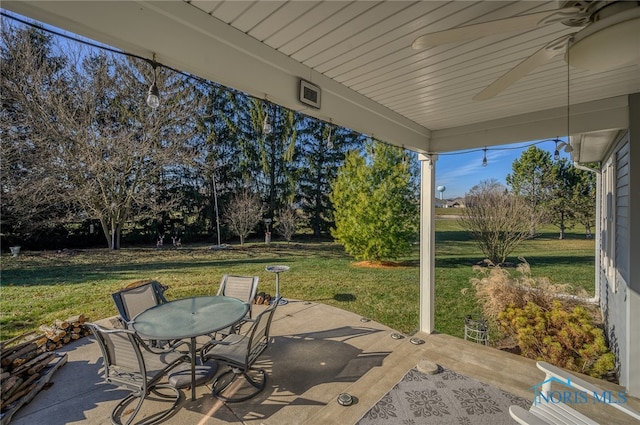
(587, 230)
(105, 232)
(118, 234)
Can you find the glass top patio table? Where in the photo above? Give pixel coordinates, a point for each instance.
(189, 317)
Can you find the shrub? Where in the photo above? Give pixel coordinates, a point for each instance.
(375, 208)
(497, 220)
(564, 338)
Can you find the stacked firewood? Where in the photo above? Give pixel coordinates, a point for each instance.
(62, 332)
(29, 360)
(262, 298)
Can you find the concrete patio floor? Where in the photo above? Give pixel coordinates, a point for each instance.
(317, 352)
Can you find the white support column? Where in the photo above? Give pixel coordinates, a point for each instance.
(427, 242)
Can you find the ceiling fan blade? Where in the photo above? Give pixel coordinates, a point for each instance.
(484, 29)
(539, 58)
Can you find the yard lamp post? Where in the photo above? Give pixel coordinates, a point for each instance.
(215, 203)
(267, 235)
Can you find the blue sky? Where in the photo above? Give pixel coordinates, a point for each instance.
(460, 171)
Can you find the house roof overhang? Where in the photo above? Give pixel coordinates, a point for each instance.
(359, 54)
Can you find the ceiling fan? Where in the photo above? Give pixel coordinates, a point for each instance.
(609, 37)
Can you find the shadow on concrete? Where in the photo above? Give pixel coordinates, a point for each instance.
(297, 364)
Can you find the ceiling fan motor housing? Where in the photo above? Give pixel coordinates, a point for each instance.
(610, 40)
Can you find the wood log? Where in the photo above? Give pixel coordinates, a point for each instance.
(75, 336)
(17, 396)
(4, 375)
(28, 381)
(41, 341)
(31, 363)
(7, 360)
(10, 350)
(78, 319)
(11, 391)
(9, 341)
(52, 332)
(46, 375)
(50, 346)
(38, 367)
(26, 357)
(8, 384)
(61, 324)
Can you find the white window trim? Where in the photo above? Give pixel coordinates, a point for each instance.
(609, 224)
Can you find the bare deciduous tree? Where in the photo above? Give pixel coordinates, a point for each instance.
(498, 220)
(287, 223)
(32, 196)
(243, 214)
(99, 151)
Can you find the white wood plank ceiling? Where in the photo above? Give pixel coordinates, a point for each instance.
(359, 53)
(365, 46)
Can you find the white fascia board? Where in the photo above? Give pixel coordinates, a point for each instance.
(599, 115)
(188, 39)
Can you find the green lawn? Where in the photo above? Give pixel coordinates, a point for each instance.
(38, 287)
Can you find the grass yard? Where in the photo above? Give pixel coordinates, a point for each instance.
(38, 287)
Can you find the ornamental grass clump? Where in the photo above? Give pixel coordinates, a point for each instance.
(497, 289)
(543, 319)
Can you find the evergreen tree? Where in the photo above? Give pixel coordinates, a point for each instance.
(268, 156)
(560, 208)
(219, 158)
(532, 180)
(376, 211)
(322, 150)
(584, 199)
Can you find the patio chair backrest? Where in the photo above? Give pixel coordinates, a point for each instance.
(128, 365)
(239, 353)
(241, 287)
(123, 361)
(259, 334)
(135, 300)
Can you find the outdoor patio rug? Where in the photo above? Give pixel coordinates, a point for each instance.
(443, 398)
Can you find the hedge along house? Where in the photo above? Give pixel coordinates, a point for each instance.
(413, 74)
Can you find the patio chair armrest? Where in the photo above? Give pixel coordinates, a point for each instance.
(112, 331)
(210, 344)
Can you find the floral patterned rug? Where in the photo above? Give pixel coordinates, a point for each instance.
(444, 398)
